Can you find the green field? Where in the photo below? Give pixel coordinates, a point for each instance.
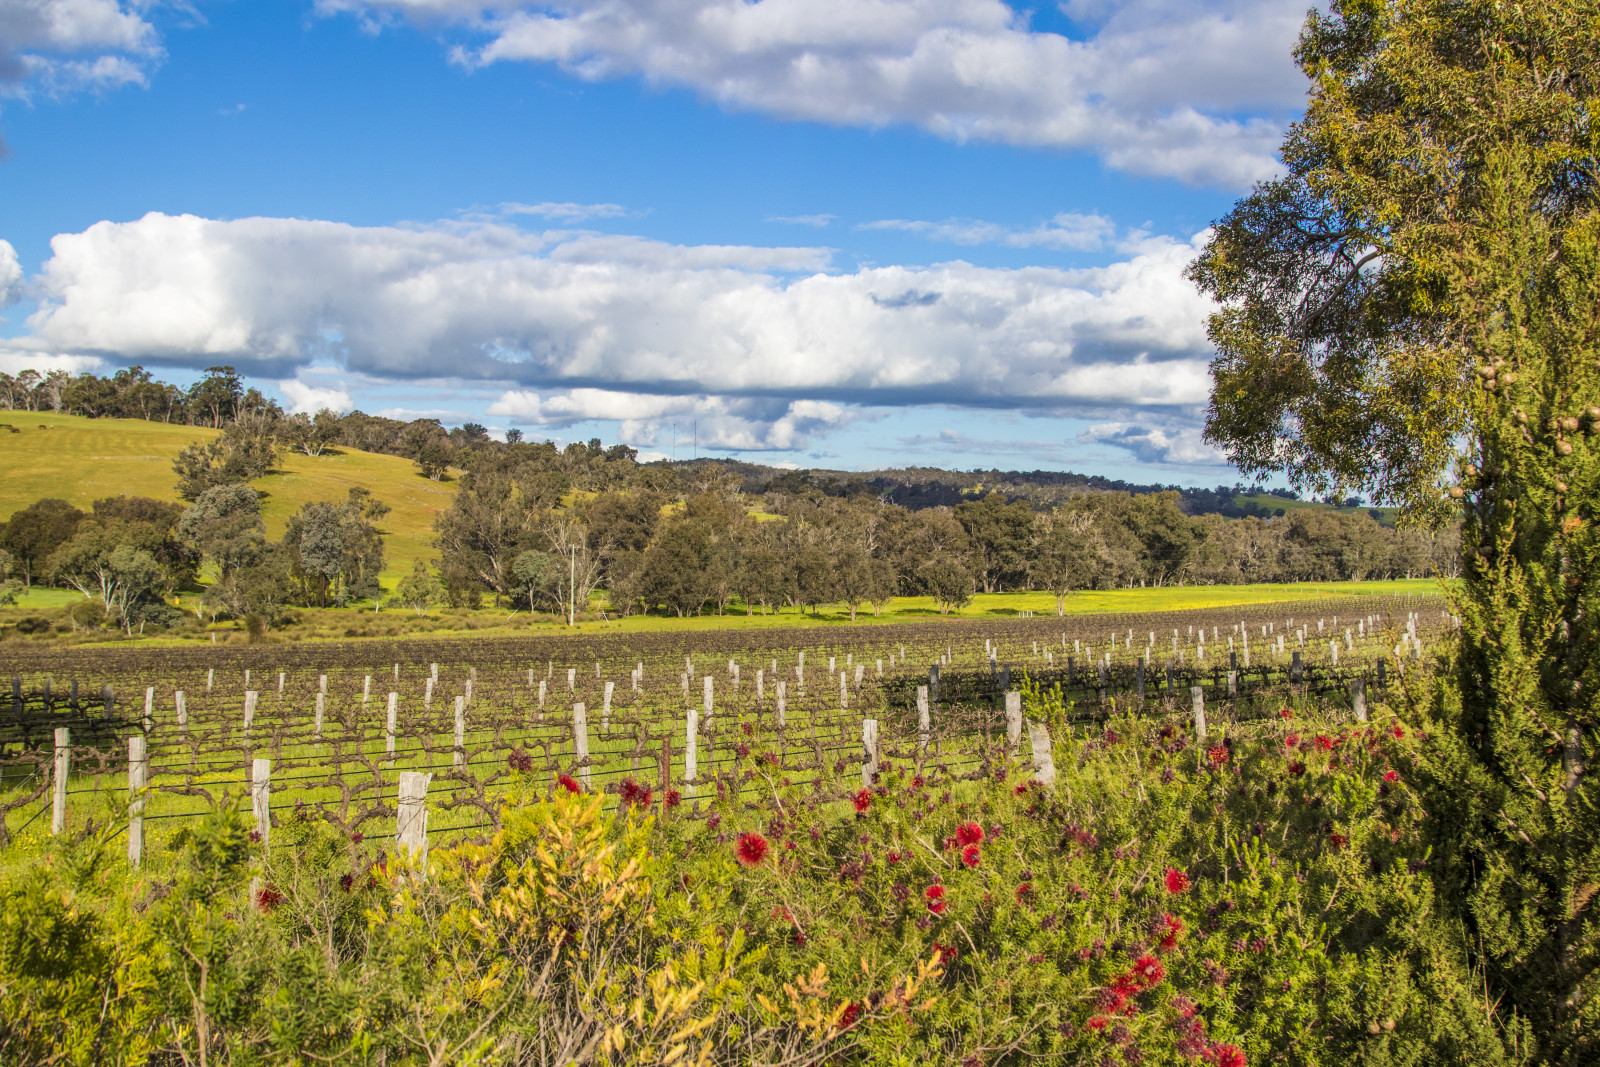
(81, 460)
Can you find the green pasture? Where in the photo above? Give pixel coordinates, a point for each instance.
(81, 460)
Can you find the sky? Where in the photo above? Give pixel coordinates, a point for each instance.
(815, 233)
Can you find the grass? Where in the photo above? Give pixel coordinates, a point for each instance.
(82, 460)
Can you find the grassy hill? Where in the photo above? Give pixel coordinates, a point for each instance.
(82, 460)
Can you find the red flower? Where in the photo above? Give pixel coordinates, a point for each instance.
(1325, 742)
(1292, 741)
(1391, 776)
(566, 782)
(1169, 926)
(673, 798)
(1177, 881)
(1217, 754)
(1020, 789)
(1229, 1056)
(1285, 713)
(1023, 891)
(1399, 733)
(752, 849)
(1098, 1022)
(944, 953)
(935, 895)
(1338, 839)
(971, 855)
(852, 1012)
(635, 795)
(916, 782)
(969, 833)
(267, 898)
(1296, 767)
(1148, 970)
(862, 800)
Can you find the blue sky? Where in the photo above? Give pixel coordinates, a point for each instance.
(851, 233)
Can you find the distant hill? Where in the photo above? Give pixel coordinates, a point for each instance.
(80, 460)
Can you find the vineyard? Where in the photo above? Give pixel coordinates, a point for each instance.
(433, 746)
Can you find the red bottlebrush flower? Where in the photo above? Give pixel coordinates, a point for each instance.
(752, 849)
(347, 882)
(635, 795)
(1148, 970)
(673, 798)
(1292, 741)
(713, 821)
(1229, 1056)
(1167, 927)
(862, 800)
(1285, 713)
(944, 953)
(916, 781)
(742, 748)
(1391, 776)
(1176, 880)
(1296, 767)
(971, 856)
(1020, 789)
(1399, 733)
(1023, 891)
(799, 939)
(1217, 754)
(969, 833)
(852, 1012)
(1097, 1023)
(1338, 839)
(748, 729)
(935, 895)
(567, 782)
(255, 837)
(1325, 742)
(267, 898)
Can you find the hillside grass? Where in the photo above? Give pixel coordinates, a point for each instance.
(82, 460)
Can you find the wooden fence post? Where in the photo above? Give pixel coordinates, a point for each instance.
(250, 697)
(1044, 760)
(869, 745)
(149, 708)
(691, 739)
(459, 756)
(761, 686)
(322, 706)
(844, 692)
(580, 734)
(707, 680)
(923, 725)
(366, 689)
(392, 723)
(783, 699)
(181, 705)
(1013, 722)
(411, 822)
(1358, 698)
(260, 798)
(1197, 699)
(211, 672)
(605, 709)
(427, 695)
(138, 772)
(58, 785)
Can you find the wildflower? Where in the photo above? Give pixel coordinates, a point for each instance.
(267, 898)
(1168, 775)
(862, 800)
(742, 748)
(1176, 880)
(935, 895)
(852, 1012)
(799, 939)
(1325, 742)
(1024, 891)
(969, 833)
(1148, 970)
(635, 795)
(1229, 1056)
(916, 782)
(752, 849)
(1217, 755)
(1292, 741)
(673, 798)
(1338, 839)
(944, 953)
(1285, 713)
(1391, 776)
(567, 782)
(255, 837)
(1169, 927)
(357, 837)
(1021, 788)
(1399, 733)
(1296, 767)
(971, 856)
(347, 882)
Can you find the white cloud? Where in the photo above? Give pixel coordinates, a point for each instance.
(14, 360)
(1196, 89)
(1067, 230)
(66, 45)
(588, 326)
(1155, 445)
(566, 212)
(312, 399)
(819, 221)
(10, 275)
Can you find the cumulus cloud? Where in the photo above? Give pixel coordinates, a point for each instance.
(312, 399)
(10, 275)
(1156, 445)
(66, 45)
(1195, 89)
(1066, 231)
(714, 422)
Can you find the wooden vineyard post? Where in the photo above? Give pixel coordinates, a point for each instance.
(280, 685)
(761, 686)
(580, 737)
(869, 745)
(250, 697)
(459, 756)
(211, 672)
(923, 724)
(1197, 699)
(391, 724)
(1013, 722)
(149, 708)
(782, 702)
(844, 693)
(468, 687)
(543, 692)
(58, 783)
(1358, 698)
(707, 685)
(1044, 760)
(181, 706)
(691, 738)
(427, 694)
(572, 679)
(366, 689)
(1138, 678)
(1296, 670)
(605, 708)
(322, 707)
(138, 770)
(411, 821)
(260, 798)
